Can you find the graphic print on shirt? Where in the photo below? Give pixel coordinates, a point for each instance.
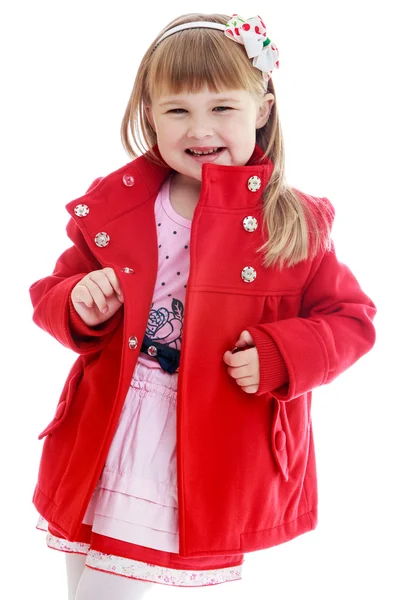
(165, 326)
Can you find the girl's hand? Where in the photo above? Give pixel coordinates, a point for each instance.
(97, 297)
(244, 366)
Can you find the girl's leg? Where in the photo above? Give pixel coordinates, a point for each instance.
(75, 564)
(98, 585)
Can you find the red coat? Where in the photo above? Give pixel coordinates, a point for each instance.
(245, 462)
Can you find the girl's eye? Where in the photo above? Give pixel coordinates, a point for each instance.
(173, 110)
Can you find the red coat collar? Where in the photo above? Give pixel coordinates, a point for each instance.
(231, 180)
(223, 187)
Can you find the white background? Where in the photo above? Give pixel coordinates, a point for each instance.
(67, 71)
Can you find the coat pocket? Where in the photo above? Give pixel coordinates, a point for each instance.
(64, 402)
(279, 441)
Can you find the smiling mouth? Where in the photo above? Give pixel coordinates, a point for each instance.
(204, 153)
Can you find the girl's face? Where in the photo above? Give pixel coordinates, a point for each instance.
(225, 122)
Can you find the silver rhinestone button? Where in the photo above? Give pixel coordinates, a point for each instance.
(127, 270)
(250, 223)
(128, 180)
(81, 210)
(254, 183)
(133, 342)
(249, 274)
(152, 351)
(102, 239)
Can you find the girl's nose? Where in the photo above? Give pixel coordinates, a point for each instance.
(200, 129)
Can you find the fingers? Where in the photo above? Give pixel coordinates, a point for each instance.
(96, 287)
(88, 292)
(240, 365)
(113, 280)
(239, 358)
(251, 389)
(243, 368)
(239, 372)
(245, 378)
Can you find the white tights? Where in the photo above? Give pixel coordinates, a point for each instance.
(85, 583)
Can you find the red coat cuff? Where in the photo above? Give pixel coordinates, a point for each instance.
(273, 371)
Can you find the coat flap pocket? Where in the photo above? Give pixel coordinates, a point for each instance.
(64, 402)
(278, 441)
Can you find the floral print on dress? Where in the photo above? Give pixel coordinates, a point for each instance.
(165, 326)
(136, 569)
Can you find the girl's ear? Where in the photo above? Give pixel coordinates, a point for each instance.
(149, 116)
(264, 110)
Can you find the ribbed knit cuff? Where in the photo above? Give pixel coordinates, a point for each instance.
(80, 329)
(273, 371)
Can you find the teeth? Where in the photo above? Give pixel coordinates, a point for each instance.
(201, 153)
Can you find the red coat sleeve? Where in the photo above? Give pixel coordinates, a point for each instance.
(50, 296)
(333, 330)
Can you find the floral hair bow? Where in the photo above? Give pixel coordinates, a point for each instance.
(253, 35)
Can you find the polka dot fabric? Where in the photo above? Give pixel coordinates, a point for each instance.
(167, 310)
(252, 33)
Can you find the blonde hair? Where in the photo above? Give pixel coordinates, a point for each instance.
(293, 219)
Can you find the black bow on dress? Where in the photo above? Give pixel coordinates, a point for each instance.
(166, 356)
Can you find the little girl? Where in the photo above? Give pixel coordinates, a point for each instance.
(195, 262)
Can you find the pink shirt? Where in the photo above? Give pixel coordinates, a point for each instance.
(167, 310)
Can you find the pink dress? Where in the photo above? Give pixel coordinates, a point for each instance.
(131, 524)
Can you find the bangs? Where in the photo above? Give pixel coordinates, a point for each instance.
(190, 60)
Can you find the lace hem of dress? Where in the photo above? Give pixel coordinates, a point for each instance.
(136, 569)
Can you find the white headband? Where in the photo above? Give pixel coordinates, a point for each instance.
(251, 33)
(206, 24)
